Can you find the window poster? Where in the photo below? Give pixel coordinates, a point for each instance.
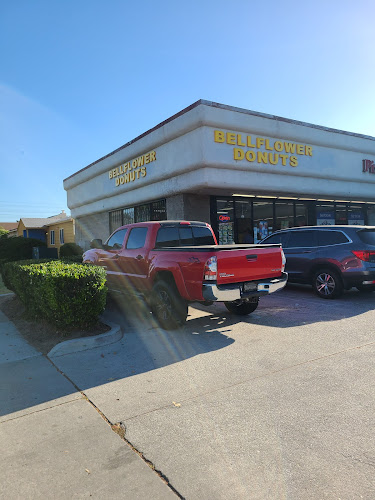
(325, 218)
(261, 231)
(356, 218)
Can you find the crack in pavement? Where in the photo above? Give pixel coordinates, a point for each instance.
(120, 429)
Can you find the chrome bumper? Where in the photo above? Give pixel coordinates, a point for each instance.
(234, 291)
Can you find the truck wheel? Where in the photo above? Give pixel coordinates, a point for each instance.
(168, 306)
(241, 308)
(327, 284)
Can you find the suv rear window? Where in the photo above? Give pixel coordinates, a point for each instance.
(328, 237)
(174, 236)
(367, 236)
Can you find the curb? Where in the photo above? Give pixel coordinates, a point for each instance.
(85, 343)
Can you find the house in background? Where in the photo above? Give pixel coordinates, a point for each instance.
(55, 230)
(11, 227)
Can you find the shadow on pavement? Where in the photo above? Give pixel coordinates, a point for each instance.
(146, 347)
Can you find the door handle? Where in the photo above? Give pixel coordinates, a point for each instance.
(139, 257)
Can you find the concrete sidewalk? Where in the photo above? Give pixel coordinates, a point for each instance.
(54, 442)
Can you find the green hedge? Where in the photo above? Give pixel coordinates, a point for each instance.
(19, 248)
(68, 295)
(70, 250)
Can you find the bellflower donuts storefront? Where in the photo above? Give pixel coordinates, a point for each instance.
(246, 173)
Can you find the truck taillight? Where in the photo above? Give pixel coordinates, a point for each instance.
(210, 269)
(365, 255)
(283, 261)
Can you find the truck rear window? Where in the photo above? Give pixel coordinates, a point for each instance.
(367, 236)
(175, 236)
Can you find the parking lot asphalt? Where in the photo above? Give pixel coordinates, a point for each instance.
(278, 404)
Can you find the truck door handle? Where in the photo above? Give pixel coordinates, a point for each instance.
(139, 257)
(251, 257)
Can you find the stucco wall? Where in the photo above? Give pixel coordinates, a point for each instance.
(188, 207)
(175, 207)
(90, 227)
(188, 159)
(197, 207)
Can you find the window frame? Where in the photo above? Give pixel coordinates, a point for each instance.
(52, 237)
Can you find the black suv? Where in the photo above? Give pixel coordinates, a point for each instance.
(330, 258)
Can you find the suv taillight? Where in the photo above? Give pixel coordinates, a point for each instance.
(365, 255)
(210, 269)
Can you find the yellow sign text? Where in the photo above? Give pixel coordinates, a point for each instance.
(280, 149)
(132, 170)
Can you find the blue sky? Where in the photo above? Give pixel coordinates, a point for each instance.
(80, 78)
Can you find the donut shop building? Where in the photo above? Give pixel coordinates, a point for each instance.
(245, 173)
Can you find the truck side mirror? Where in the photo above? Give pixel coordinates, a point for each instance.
(96, 243)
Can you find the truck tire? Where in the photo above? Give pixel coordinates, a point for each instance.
(169, 308)
(241, 308)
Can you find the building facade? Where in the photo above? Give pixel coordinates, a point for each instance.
(246, 173)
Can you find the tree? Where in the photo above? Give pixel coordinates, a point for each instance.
(3, 232)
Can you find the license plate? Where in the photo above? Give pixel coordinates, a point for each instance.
(250, 287)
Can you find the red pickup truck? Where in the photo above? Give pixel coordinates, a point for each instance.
(172, 263)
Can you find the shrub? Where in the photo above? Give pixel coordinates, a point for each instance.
(77, 259)
(65, 294)
(19, 248)
(70, 250)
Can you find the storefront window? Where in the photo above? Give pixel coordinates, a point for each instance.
(301, 214)
(341, 216)
(284, 215)
(115, 220)
(371, 215)
(244, 221)
(158, 210)
(263, 219)
(128, 216)
(225, 221)
(356, 215)
(249, 220)
(142, 213)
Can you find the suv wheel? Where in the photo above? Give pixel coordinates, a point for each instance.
(327, 284)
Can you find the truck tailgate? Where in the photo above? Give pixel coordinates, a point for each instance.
(249, 264)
